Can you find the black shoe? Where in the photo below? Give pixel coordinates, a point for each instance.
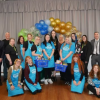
(0, 83)
(4, 79)
(41, 83)
(39, 91)
(54, 79)
(34, 92)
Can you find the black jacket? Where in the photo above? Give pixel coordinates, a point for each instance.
(1, 49)
(86, 51)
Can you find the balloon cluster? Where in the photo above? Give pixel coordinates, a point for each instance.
(44, 26)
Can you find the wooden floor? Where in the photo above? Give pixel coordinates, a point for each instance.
(57, 91)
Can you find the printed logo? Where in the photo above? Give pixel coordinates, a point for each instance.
(66, 48)
(33, 71)
(15, 75)
(49, 47)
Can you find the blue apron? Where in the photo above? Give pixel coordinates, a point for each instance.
(65, 52)
(39, 51)
(28, 51)
(22, 63)
(14, 79)
(49, 49)
(77, 76)
(32, 76)
(96, 82)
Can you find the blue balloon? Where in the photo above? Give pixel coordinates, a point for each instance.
(42, 22)
(43, 32)
(50, 29)
(47, 22)
(45, 27)
(38, 26)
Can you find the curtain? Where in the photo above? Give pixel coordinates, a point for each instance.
(15, 15)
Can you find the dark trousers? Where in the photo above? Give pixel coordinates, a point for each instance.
(68, 73)
(39, 73)
(0, 70)
(47, 73)
(92, 89)
(95, 59)
(5, 68)
(86, 69)
(22, 78)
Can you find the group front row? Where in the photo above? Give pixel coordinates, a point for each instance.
(31, 77)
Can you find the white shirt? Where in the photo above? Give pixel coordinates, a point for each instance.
(96, 47)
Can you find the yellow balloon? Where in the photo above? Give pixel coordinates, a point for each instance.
(57, 29)
(51, 19)
(80, 39)
(53, 24)
(62, 31)
(68, 33)
(69, 23)
(62, 25)
(57, 21)
(74, 28)
(68, 27)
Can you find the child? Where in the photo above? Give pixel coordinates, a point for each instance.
(77, 71)
(94, 81)
(31, 76)
(14, 79)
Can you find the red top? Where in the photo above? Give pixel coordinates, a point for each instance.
(27, 72)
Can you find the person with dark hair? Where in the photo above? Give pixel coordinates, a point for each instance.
(77, 72)
(19, 46)
(54, 39)
(48, 53)
(1, 57)
(95, 49)
(94, 81)
(31, 76)
(6, 43)
(85, 53)
(11, 53)
(77, 44)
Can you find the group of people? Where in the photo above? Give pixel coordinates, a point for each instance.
(19, 60)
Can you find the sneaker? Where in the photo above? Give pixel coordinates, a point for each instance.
(66, 83)
(50, 81)
(46, 82)
(90, 92)
(25, 88)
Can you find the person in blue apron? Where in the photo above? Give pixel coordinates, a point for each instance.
(37, 54)
(94, 81)
(19, 46)
(27, 46)
(31, 76)
(14, 79)
(77, 72)
(48, 53)
(66, 52)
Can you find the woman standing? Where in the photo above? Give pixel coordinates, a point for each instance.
(60, 42)
(48, 53)
(77, 71)
(27, 46)
(54, 39)
(37, 52)
(31, 76)
(77, 44)
(85, 53)
(20, 54)
(94, 81)
(11, 53)
(14, 79)
(66, 52)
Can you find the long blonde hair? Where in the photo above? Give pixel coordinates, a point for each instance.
(70, 42)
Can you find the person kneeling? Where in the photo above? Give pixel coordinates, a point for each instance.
(77, 71)
(14, 79)
(31, 76)
(94, 81)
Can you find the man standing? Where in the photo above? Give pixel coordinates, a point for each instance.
(1, 57)
(95, 49)
(6, 42)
